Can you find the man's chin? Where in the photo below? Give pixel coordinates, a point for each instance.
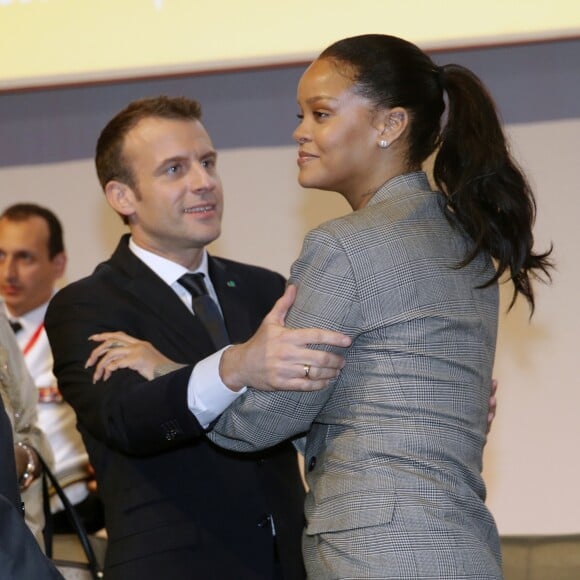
(14, 307)
(210, 237)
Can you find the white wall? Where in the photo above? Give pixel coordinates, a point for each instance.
(532, 466)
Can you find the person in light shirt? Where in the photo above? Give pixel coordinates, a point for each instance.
(32, 261)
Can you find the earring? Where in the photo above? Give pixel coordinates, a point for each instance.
(383, 144)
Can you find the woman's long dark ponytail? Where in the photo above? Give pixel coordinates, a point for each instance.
(487, 193)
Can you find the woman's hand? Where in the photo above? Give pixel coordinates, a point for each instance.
(121, 351)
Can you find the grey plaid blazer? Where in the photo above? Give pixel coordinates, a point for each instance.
(394, 447)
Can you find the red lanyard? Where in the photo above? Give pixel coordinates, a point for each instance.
(33, 339)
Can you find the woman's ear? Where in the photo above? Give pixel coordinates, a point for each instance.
(392, 126)
(120, 197)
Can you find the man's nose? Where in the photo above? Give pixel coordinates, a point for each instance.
(8, 268)
(200, 179)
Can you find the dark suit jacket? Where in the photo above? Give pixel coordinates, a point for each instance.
(176, 506)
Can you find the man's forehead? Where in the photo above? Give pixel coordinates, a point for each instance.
(30, 230)
(158, 138)
(152, 128)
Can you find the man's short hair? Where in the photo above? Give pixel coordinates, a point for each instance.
(109, 159)
(20, 212)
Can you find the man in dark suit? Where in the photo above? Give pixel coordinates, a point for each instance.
(176, 506)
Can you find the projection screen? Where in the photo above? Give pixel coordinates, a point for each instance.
(55, 42)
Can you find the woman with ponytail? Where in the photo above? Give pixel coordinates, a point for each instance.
(393, 448)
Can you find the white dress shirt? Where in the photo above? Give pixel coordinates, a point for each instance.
(207, 395)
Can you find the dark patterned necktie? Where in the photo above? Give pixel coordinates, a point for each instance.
(15, 326)
(205, 308)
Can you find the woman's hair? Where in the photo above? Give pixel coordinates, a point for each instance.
(487, 194)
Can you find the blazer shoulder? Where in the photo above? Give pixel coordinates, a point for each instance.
(381, 218)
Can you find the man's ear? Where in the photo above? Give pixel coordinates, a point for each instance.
(120, 197)
(393, 124)
(59, 264)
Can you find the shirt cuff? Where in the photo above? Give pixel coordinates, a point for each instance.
(207, 396)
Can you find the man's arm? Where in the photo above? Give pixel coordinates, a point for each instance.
(131, 413)
(277, 358)
(127, 412)
(258, 420)
(274, 358)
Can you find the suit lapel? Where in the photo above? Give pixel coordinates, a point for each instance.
(231, 290)
(156, 298)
